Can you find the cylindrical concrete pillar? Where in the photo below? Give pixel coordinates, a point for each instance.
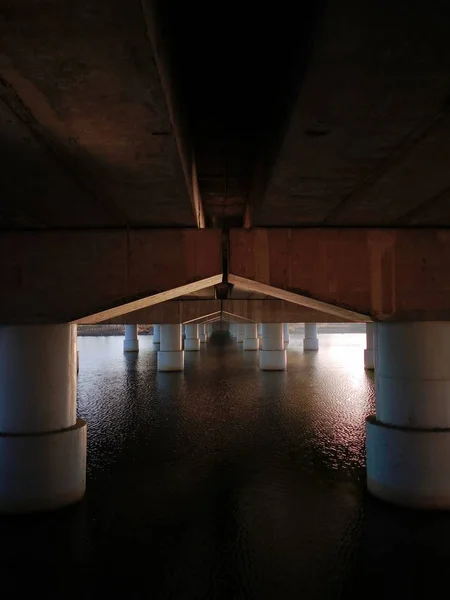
(369, 352)
(408, 441)
(310, 341)
(286, 333)
(156, 336)
(240, 333)
(251, 341)
(42, 443)
(131, 342)
(171, 355)
(192, 341)
(272, 356)
(202, 333)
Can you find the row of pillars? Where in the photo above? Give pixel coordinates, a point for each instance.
(43, 443)
(168, 340)
(274, 338)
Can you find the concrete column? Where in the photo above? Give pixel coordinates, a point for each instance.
(171, 355)
(42, 443)
(310, 341)
(408, 440)
(286, 333)
(131, 342)
(272, 356)
(240, 333)
(369, 352)
(202, 333)
(251, 341)
(259, 330)
(192, 341)
(156, 336)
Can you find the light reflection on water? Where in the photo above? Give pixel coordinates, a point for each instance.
(227, 482)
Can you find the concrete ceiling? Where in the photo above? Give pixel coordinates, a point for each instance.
(114, 113)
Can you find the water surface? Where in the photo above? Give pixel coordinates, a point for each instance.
(226, 482)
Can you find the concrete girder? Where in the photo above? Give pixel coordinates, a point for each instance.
(90, 87)
(278, 311)
(359, 274)
(171, 312)
(91, 276)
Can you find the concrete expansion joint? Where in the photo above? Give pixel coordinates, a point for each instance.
(413, 378)
(372, 420)
(80, 423)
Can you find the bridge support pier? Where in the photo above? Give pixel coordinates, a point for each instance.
(156, 337)
(202, 333)
(42, 443)
(286, 334)
(369, 352)
(171, 355)
(192, 341)
(272, 356)
(408, 440)
(131, 342)
(310, 341)
(251, 341)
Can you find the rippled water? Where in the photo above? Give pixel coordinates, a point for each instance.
(226, 482)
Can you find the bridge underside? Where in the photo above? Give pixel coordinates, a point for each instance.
(273, 275)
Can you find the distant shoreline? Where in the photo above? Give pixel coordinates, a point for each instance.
(119, 330)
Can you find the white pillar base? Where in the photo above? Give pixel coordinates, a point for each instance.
(130, 345)
(42, 471)
(251, 344)
(272, 360)
(408, 467)
(369, 359)
(192, 344)
(172, 360)
(202, 338)
(310, 344)
(131, 342)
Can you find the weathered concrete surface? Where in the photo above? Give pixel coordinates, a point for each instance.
(369, 135)
(82, 80)
(54, 277)
(389, 275)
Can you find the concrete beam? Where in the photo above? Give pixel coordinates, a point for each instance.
(278, 311)
(174, 311)
(91, 276)
(360, 274)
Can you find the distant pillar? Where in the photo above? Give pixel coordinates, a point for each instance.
(286, 333)
(240, 333)
(259, 330)
(171, 355)
(202, 333)
(251, 341)
(192, 341)
(156, 336)
(42, 443)
(310, 341)
(272, 356)
(131, 342)
(408, 440)
(369, 352)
